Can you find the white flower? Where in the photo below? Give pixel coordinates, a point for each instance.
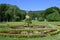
(27, 16)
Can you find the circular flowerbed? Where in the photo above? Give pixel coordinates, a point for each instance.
(24, 31)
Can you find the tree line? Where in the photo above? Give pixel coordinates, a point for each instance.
(10, 13)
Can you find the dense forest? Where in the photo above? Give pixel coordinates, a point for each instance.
(10, 13)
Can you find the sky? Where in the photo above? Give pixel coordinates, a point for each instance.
(32, 5)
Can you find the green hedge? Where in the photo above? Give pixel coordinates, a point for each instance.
(28, 35)
(22, 35)
(56, 32)
(14, 30)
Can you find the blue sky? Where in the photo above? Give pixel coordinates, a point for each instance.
(33, 4)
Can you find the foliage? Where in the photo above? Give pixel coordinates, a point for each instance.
(54, 17)
(9, 13)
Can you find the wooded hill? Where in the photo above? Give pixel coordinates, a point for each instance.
(11, 13)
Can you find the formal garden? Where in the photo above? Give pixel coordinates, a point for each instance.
(17, 24)
(38, 30)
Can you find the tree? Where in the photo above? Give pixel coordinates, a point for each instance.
(54, 16)
(50, 10)
(3, 8)
(11, 13)
(28, 20)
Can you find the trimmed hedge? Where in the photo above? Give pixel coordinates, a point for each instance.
(22, 35)
(56, 32)
(28, 35)
(14, 30)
